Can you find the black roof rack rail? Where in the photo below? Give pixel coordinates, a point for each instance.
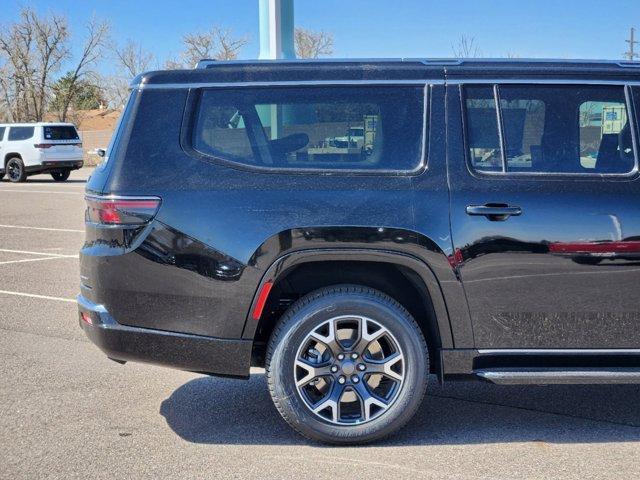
(207, 62)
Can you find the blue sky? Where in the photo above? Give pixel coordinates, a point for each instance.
(392, 28)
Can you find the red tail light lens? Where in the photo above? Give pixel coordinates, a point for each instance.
(86, 318)
(42, 146)
(121, 210)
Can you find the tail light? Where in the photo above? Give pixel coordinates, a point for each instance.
(86, 318)
(42, 146)
(126, 211)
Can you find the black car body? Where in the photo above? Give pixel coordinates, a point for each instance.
(498, 202)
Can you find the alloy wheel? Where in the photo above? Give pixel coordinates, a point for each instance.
(349, 370)
(14, 171)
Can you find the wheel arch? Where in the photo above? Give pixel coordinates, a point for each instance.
(413, 281)
(9, 156)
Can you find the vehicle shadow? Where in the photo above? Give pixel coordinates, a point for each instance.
(51, 180)
(224, 411)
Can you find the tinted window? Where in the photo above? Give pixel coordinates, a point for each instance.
(335, 128)
(556, 129)
(123, 120)
(20, 133)
(483, 140)
(523, 121)
(60, 132)
(602, 126)
(2, 129)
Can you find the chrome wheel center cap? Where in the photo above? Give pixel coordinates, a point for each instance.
(348, 367)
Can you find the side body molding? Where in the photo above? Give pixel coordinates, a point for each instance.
(284, 263)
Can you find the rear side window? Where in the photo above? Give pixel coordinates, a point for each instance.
(20, 133)
(2, 129)
(483, 139)
(550, 129)
(60, 132)
(307, 128)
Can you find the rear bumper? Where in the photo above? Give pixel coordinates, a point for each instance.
(194, 353)
(51, 165)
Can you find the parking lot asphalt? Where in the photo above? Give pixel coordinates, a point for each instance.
(66, 411)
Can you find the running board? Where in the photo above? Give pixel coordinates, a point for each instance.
(559, 376)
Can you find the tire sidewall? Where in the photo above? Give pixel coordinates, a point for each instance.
(62, 175)
(309, 317)
(20, 165)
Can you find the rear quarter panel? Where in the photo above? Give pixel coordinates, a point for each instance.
(252, 218)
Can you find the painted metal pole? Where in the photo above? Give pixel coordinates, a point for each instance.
(276, 29)
(276, 42)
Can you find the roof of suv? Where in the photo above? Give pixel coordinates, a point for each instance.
(38, 124)
(393, 70)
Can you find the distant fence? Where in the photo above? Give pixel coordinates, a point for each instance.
(92, 139)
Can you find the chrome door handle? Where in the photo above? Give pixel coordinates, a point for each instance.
(496, 212)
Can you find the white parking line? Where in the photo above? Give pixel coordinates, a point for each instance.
(34, 295)
(29, 260)
(58, 192)
(48, 254)
(48, 229)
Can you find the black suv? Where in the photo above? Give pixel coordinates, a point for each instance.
(354, 226)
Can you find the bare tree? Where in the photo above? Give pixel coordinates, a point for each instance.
(33, 50)
(115, 90)
(132, 59)
(92, 51)
(7, 114)
(217, 44)
(466, 48)
(173, 64)
(310, 44)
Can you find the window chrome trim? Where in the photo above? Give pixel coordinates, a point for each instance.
(586, 175)
(189, 123)
(500, 125)
(424, 154)
(111, 196)
(283, 83)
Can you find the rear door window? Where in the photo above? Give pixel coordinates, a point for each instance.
(307, 128)
(60, 132)
(20, 133)
(523, 119)
(2, 129)
(602, 128)
(551, 129)
(483, 140)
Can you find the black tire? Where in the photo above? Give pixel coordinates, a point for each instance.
(1, 175)
(312, 311)
(15, 170)
(61, 175)
(587, 260)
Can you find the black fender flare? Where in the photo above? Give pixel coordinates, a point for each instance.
(285, 262)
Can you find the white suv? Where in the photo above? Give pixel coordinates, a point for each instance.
(31, 148)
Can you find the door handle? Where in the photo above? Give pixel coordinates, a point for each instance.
(496, 212)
